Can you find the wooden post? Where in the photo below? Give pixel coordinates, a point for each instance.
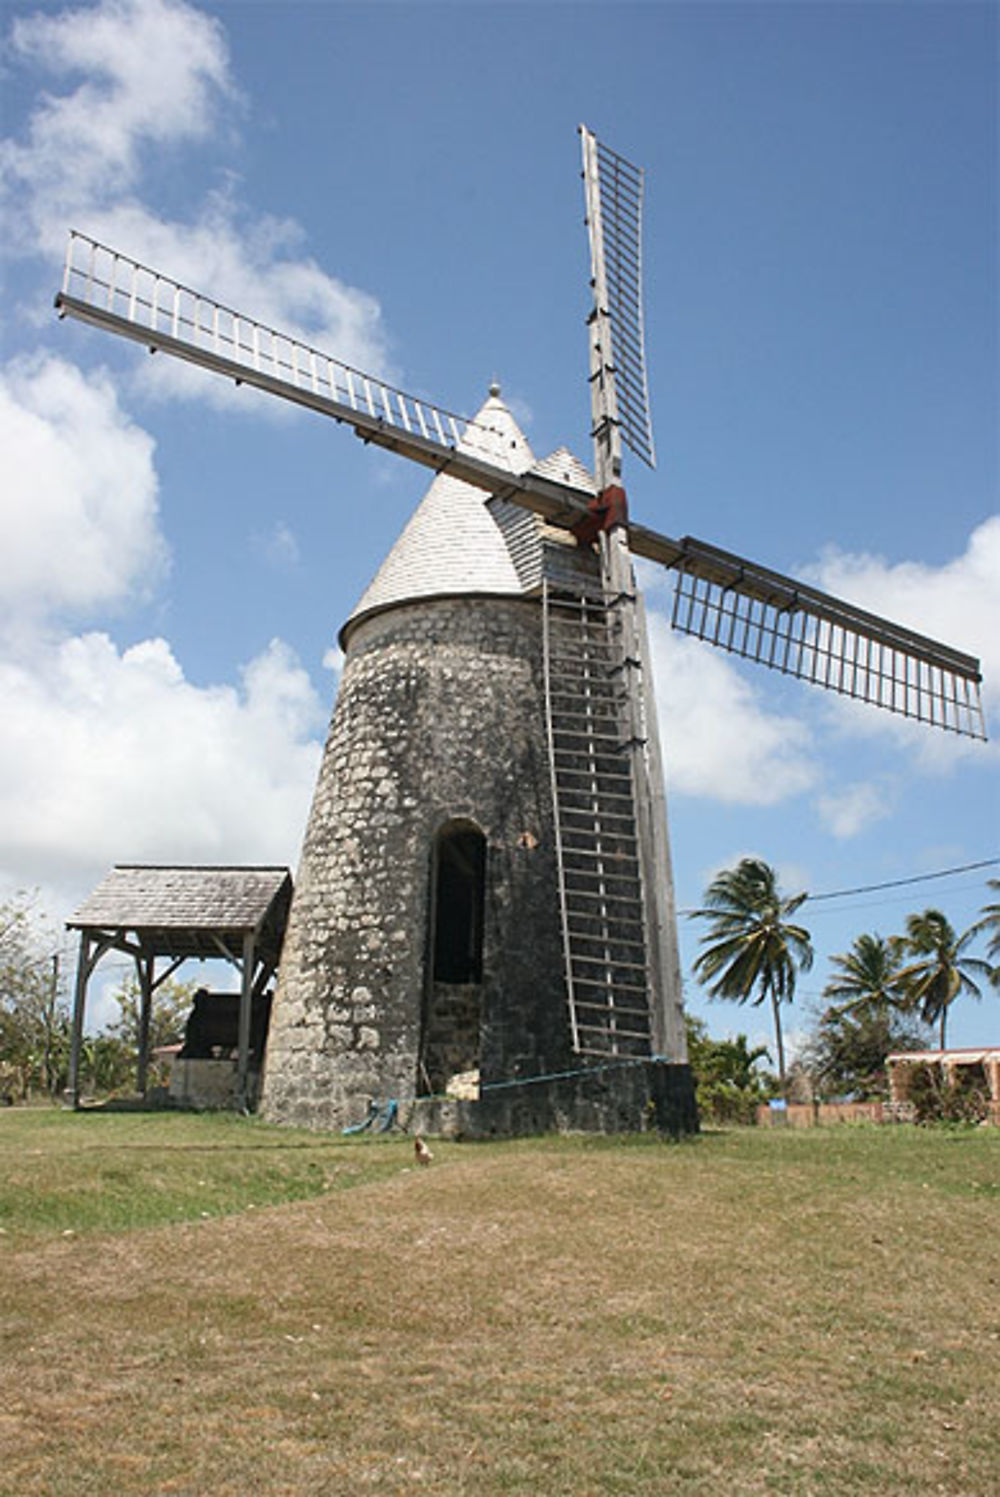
(663, 974)
(246, 1008)
(669, 1032)
(144, 966)
(83, 970)
(993, 1077)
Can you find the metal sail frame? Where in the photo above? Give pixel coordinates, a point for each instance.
(118, 294)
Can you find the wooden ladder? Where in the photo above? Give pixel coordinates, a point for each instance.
(600, 874)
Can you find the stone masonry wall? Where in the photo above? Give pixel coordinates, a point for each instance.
(440, 716)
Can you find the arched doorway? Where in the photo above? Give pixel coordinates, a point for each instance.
(453, 990)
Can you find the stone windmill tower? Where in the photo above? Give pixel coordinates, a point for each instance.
(485, 885)
(474, 827)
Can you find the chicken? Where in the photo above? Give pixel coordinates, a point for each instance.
(423, 1153)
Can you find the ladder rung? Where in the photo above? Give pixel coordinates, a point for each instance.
(568, 627)
(634, 944)
(623, 899)
(616, 1054)
(576, 644)
(617, 776)
(590, 893)
(596, 961)
(608, 795)
(599, 813)
(619, 894)
(589, 735)
(589, 596)
(619, 769)
(592, 1026)
(611, 1008)
(593, 918)
(619, 987)
(607, 852)
(586, 703)
(612, 1034)
(596, 830)
(594, 879)
(567, 623)
(617, 773)
(616, 847)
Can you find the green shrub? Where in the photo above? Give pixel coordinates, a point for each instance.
(938, 1095)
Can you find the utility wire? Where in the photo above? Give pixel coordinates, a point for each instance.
(898, 883)
(895, 883)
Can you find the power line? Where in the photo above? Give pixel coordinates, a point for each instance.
(895, 883)
(898, 883)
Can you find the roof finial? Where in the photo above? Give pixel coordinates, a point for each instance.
(494, 387)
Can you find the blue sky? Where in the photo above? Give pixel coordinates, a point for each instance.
(400, 183)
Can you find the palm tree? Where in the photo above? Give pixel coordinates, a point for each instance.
(754, 949)
(990, 921)
(872, 1018)
(867, 980)
(941, 972)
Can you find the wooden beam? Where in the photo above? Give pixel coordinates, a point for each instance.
(76, 1034)
(246, 1009)
(86, 962)
(145, 967)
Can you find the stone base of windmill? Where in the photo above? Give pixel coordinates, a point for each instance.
(639, 1097)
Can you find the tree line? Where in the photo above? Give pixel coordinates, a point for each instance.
(886, 992)
(35, 1018)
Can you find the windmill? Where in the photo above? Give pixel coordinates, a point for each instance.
(485, 886)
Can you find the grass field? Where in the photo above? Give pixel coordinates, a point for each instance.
(205, 1305)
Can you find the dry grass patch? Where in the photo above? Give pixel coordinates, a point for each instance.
(813, 1313)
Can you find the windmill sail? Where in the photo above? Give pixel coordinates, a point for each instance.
(776, 621)
(614, 190)
(729, 601)
(113, 292)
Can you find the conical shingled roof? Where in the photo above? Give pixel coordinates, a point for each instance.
(461, 540)
(451, 543)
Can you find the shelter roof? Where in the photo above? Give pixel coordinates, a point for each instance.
(178, 910)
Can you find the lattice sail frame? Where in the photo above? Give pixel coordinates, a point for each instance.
(804, 633)
(614, 196)
(110, 289)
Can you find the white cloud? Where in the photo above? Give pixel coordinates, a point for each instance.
(112, 756)
(108, 754)
(957, 603)
(279, 547)
(78, 521)
(853, 808)
(718, 741)
(145, 72)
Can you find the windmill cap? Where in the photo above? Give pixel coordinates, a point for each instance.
(451, 544)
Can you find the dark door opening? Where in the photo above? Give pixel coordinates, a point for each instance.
(450, 1040)
(459, 886)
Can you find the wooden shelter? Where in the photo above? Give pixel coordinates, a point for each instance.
(163, 917)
